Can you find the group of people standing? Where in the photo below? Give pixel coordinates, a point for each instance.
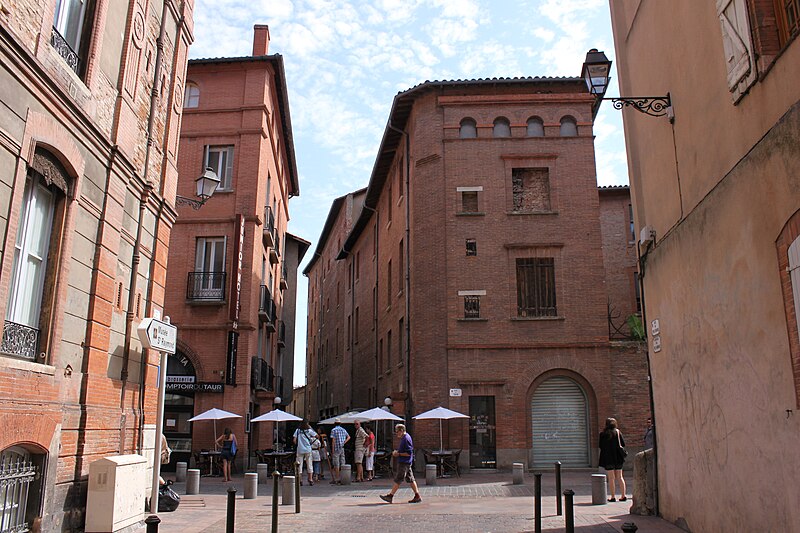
(313, 451)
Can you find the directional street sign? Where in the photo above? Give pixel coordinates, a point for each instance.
(158, 335)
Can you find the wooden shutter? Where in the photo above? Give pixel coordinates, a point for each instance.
(737, 45)
(794, 273)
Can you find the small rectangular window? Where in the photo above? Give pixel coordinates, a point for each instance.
(472, 306)
(469, 202)
(472, 247)
(220, 159)
(530, 189)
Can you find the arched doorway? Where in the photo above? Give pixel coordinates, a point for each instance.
(179, 408)
(559, 422)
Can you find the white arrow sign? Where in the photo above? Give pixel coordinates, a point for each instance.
(158, 335)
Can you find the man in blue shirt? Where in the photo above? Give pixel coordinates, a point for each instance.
(405, 460)
(339, 438)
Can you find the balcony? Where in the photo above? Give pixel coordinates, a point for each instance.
(275, 252)
(63, 48)
(284, 282)
(266, 308)
(269, 227)
(20, 341)
(263, 376)
(281, 333)
(206, 286)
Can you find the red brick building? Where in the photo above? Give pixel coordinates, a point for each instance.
(231, 285)
(471, 274)
(87, 191)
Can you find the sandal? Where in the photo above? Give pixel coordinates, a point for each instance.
(624, 498)
(612, 499)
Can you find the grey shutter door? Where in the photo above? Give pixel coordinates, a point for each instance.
(559, 415)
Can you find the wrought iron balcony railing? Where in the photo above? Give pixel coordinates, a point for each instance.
(281, 333)
(269, 227)
(206, 286)
(266, 307)
(284, 278)
(263, 376)
(20, 341)
(65, 51)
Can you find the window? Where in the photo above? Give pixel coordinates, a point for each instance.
(21, 475)
(630, 223)
(468, 129)
(472, 306)
(389, 204)
(32, 276)
(530, 189)
(400, 335)
(207, 282)
(569, 127)
(389, 349)
(389, 283)
(737, 45)
(502, 128)
(468, 199)
(358, 265)
(220, 159)
(192, 99)
(472, 247)
(355, 327)
(400, 271)
(381, 364)
(536, 287)
(71, 33)
(788, 19)
(535, 127)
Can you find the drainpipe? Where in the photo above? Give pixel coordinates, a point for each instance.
(137, 247)
(642, 264)
(407, 280)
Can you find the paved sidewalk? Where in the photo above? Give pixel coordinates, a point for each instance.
(472, 503)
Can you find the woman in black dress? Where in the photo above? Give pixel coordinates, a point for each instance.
(612, 457)
(229, 446)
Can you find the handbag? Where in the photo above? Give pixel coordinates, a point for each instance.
(168, 499)
(233, 447)
(623, 453)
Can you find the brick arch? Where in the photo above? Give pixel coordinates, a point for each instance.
(790, 233)
(27, 430)
(585, 384)
(185, 349)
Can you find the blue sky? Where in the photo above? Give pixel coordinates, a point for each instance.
(346, 60)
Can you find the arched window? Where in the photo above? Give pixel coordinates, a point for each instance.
(535, 127)
(22, 473)
(38, 238)
(569, 128)
(502, 128)
(192, 96)
(468, 129)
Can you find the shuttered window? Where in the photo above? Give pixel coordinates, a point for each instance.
(737, 45)
(559, 420)
(536, 287)
(794, 273)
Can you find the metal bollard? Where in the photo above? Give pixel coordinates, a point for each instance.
(275, 476)
(570, 515)
(629, 527)
(262, 469)
(537, 506)
(180, 471)
(152, 522)
(230, 522)
(297, 487)
(558, 488)
(517, 473)
(250, 485)
(193, 481)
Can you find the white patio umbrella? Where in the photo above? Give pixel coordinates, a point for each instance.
(214, 414)
(377, 414)
(345, 418)
(276, 415)
(440, 413)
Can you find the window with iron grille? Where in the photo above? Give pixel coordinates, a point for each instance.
(472, 247)
(536, 287)
(21, 481)
(472, 306)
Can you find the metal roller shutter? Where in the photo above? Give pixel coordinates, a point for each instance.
(559, 420)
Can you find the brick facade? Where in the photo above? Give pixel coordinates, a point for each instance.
(412, 278)
(74, 394)
(242, 104)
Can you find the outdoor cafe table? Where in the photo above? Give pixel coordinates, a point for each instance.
(213, 458)
(283, 460)
(446, 460)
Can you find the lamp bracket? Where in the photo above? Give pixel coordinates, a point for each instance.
(182, 200)
(655, 106)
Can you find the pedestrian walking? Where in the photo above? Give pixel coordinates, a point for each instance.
(302, 438)
(612, 457)
(369, 458)
(405, 459)
(360, 451)
(339, 437)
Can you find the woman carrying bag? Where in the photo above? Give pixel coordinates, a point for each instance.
(612, 457)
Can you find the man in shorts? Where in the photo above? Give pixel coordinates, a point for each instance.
(339, 437)
(405, 459)
(360, 451)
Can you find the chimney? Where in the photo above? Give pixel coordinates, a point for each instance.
(260, 40)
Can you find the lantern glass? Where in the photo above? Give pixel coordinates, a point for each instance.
(207, 183)
(596, 70)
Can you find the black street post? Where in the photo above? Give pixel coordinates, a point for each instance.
(537, 506)
(558, 488)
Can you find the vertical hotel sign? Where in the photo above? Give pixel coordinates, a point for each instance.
(236, 282)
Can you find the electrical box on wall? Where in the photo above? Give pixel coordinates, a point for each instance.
(117, 489)
(648, 234)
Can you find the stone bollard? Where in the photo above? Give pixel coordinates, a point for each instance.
(180, 471)
(264, 474)
(430, 474)
(287, 488)
(250, 486)
(518, 473)
(193, 481)
(345, 474)
(599, 489)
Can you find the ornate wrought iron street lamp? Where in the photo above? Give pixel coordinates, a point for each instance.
(206, 185)
(596, 73)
